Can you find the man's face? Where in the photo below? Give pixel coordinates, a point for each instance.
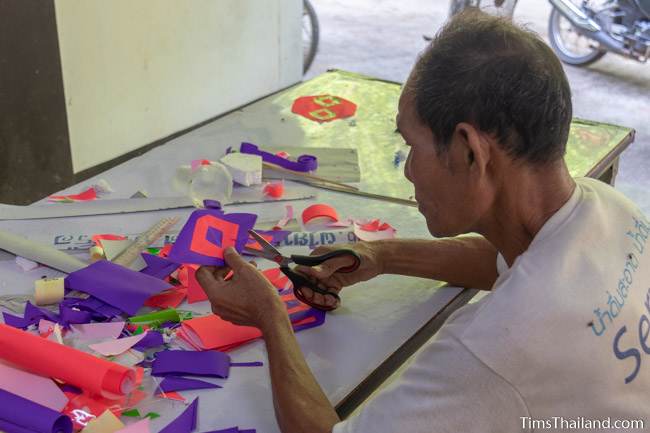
(449, 193)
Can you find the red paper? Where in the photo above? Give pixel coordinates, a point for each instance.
(319, 210)
(274, 190)
(50, 359)
(187, 277)
(323, 108)
(200, 242)
(87, 195)
(168, 299)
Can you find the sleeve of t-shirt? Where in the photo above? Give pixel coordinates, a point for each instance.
(445, 389)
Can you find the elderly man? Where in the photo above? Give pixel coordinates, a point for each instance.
(562, 340)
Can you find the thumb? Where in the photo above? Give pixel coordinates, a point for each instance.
(233, 259)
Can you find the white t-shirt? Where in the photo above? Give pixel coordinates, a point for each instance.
(562, 340)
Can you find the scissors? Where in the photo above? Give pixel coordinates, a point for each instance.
(299, 281)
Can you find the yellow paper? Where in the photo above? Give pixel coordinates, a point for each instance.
(105, 423)
(48, 291)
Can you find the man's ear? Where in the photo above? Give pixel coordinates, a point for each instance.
(471, 150)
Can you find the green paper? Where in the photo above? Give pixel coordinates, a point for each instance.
(132, 413)
(139, 330)
(154, 251)
(157, 318)
(152, 415)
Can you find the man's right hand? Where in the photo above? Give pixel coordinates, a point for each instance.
(326, 274)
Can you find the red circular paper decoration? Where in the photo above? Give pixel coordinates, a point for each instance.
(323, 108)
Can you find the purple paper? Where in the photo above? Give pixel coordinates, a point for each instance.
(72, 316)
(186, 421)
(174, 383)
(248, 430)
(17, 322)
(151, 339)
(206, 234)
(303, 163)
(18, 415)
(158, 267)
(227, 430)
(211, 363)
(31, 316)
(247, 364)
(116, 285)
(301, 315)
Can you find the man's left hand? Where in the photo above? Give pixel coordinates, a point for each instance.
(247, 298)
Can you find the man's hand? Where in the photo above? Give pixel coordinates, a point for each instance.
(247, 298)
(326, 274)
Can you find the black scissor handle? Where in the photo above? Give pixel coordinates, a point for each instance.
(317, 260)
(299, 281)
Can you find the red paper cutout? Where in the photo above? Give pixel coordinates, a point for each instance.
(323, 108)
(200, 243)
(317, 211)
(274, 190)
(97, 239)
(87, 195)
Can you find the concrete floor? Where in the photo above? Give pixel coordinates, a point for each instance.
(382, 38)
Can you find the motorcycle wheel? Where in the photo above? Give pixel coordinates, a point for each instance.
(310, 35)
(570, 46)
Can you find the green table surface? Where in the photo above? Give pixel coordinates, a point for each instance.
(592, 146)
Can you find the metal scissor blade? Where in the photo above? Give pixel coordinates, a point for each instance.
(268, 250)
(260, 253)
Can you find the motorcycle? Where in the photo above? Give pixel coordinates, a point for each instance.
(581, 33)
(503, 8)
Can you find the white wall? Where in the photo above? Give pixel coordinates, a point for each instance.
(137, 71)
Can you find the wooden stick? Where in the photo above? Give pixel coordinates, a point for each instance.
(307, 176)
(397, 200)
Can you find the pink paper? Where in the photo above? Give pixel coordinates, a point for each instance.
(116, 346)
(45, 327)
(39, 389)
(97, 331)
(141, 426)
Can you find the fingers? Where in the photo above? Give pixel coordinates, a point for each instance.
(211, 274)
(234, 260)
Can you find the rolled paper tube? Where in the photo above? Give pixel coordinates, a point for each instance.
(319, 210)
(72, 366)
(19, 415)
(49, 291)
(157, 318)
(303, 163)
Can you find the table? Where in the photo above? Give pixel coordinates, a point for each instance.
(381, 322)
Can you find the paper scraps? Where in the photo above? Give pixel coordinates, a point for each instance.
(141, 426)
(168, 299)
(186, 421)
(246, 169)
(174, 383)
(189, 363)
(323, 108)
(116, 346)
(97, 331)
(41, 390)
(373, 230)
(105, 423)
(25, 264)
(207, 233)
(18, 414)
(304, 163)
(86, 195)
(287, 217)
(116, 285)
(157, 266)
